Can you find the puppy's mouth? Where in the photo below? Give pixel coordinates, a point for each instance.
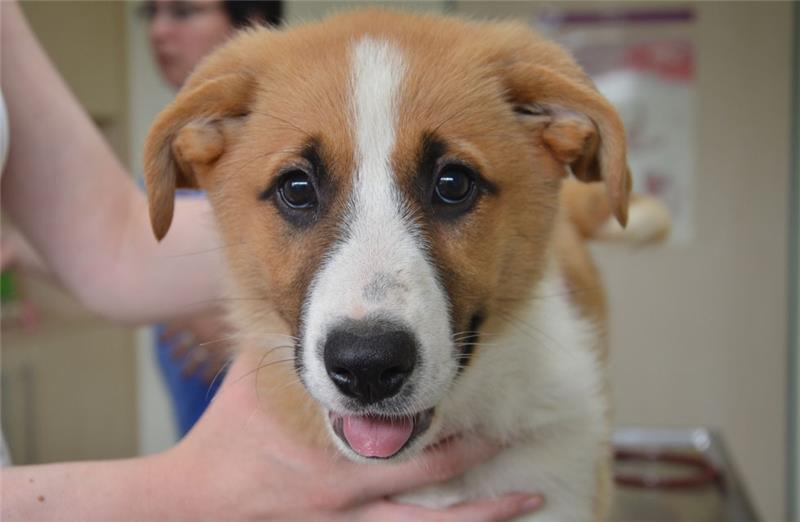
(381, 437)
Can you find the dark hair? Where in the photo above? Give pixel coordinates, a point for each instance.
(245, 12)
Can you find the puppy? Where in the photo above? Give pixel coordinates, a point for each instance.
(394, 185)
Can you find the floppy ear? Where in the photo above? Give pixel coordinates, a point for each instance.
(187, 138)
(579, 126)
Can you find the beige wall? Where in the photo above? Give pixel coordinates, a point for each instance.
(699, 331)
(298, 11)
(72, 31)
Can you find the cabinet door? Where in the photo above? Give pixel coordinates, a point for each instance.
(68, 392)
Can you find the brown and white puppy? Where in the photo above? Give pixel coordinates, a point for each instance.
(392, 185)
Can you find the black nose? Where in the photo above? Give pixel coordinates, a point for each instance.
(370, 360)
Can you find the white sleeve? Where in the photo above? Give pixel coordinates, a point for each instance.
(5, 456)
(3, 133)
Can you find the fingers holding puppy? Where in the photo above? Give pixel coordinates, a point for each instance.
(438, 463)
(500, 509)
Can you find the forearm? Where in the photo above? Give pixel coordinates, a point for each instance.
(120, 490)
(73, 200)
(149, 281)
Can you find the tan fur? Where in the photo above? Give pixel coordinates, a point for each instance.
(587, 206)
(586, 292)
(253, 106)
(289, 401)
(583, 280)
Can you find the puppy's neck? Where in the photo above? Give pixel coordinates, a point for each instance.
(534, 368)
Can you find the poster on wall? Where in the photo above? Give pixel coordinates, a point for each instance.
(642, 60)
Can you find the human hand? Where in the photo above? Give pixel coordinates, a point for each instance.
(241, 463)
(201, 342)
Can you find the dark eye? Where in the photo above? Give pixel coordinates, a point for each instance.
(297, 191)
(454, 185)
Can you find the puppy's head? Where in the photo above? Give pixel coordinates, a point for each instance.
(389, 182)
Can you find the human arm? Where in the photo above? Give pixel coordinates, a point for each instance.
(73, 200)
(16, 252)
(239, 463)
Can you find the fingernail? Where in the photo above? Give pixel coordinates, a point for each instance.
(532, 503)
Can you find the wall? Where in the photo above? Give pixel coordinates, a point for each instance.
(71, 31)
(700, 331)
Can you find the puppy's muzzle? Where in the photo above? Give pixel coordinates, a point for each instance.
(370, 360)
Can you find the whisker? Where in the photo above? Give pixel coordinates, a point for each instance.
(281, 347)
(198, 252)
(246, 162)
(258, 366)
(273, 363)
(221, 300)
(241, 337)
(261, 365)
(477, 345)
(222, 369)
(286, 122)
(516, 322)
(475, 335)
(217, 341)
(267, 335)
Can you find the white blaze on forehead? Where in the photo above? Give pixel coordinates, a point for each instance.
(379, 267)
(377, 71)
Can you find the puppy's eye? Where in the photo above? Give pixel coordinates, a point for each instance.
(454, 185)
(297, 190)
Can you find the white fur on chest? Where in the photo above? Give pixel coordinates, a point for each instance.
(539, 388)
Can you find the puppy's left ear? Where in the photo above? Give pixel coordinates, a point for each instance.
(578, 125)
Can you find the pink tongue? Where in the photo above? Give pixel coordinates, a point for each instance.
(374, 437)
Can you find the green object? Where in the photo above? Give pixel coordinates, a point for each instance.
(8, 287)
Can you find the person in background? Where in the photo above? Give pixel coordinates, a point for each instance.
(192, 352)
(87, 220)
(183, 32)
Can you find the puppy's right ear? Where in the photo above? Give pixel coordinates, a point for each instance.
(188, 138)
(579, 126)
